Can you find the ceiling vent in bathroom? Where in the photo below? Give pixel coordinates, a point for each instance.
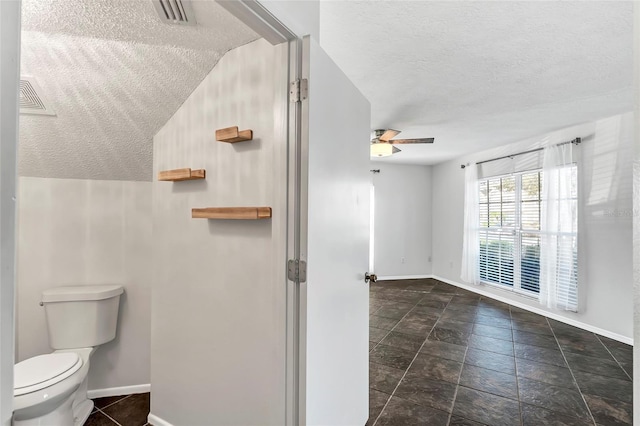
(177, 12)
(32, 101)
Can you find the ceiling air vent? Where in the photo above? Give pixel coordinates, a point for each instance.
(32, 100)
(175, 11)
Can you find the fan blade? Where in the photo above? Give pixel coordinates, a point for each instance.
(388, 134)
(396, 150)
(420, 140)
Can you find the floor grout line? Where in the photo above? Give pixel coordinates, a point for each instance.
(552, 365)
(571, 371)
(614, 357)
(517, 400)
(411, 363)
(108, 416)
(572, 414)
(515, 366)
(115, 402)
(455, 393)
(403, 317)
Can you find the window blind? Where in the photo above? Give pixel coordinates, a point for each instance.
(510, 240)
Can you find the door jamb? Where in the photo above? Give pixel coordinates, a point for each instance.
(10, 12)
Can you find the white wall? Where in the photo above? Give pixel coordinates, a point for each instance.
(302, 17)
(73, 232)
(402, 238)
(218, 335)
(605, 222)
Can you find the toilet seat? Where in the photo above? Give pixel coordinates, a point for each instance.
(42, 371)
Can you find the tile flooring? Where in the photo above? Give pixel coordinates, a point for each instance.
(440, 355)
(126, 410)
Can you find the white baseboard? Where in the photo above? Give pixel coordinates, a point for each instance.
(122, 390)
(403, 277)
(540, 311)
(157, 421)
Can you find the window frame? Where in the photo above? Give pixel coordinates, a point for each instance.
(516, 230)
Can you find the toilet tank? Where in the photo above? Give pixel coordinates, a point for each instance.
(81, 316)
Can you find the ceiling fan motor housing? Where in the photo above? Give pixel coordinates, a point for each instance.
(378, 132)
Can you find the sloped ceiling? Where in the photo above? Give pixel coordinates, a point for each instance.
(114, 74)
(475, 75)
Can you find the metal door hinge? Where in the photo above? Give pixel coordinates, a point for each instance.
(299, 90)
(297, 270)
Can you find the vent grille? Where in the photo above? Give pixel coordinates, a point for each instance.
(31, 99)
(177, 12)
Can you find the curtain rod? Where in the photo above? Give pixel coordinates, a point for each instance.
(576, 141)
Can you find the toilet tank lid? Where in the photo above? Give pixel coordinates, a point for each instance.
(81, 292)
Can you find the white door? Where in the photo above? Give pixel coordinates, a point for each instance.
(335, 200)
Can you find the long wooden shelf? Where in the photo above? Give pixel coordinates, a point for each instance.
(232, 135)
(178, 175)
(245, 213)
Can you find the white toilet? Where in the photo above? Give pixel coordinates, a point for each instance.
(51, 389)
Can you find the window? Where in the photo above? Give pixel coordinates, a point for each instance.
(497, 229)
(510, 230)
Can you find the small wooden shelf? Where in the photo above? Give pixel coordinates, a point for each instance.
(232, 135)
(246, 213)
(178, 175)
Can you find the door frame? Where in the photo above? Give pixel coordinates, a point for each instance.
(10, 17)
(257, 17)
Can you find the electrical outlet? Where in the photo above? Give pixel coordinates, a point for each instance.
(402, 260)
(450, 264)
(429, 258)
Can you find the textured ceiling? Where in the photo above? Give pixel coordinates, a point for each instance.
(114, 74)
(480, 74)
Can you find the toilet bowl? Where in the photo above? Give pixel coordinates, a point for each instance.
(47, 389)
(51, 389)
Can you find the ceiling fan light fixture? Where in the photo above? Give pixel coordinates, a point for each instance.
(383, 149)
(382, 142)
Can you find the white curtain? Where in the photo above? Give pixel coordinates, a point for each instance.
(471, 244)
(558, 229)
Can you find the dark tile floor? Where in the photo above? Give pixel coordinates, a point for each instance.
(125, 410)
(440, 355)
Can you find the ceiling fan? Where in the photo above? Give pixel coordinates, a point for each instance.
(382, 142)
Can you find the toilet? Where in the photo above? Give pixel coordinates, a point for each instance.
(51, 389)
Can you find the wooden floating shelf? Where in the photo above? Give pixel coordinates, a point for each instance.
(178, 175)
(246, 213)
(232, 135)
